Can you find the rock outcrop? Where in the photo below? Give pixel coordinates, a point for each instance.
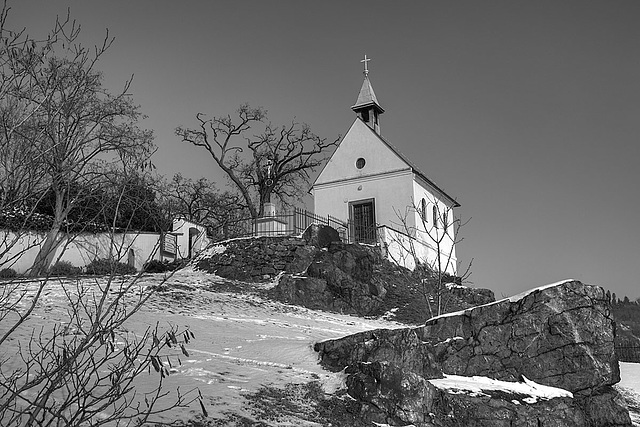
(339, 278)
(256, 259)
(318, 271)
(472, 296)
(560, 335)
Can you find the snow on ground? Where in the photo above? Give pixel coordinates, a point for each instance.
(242, 341)
(629, 386)
(630, 374)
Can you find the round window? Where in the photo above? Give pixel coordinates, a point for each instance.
(360, 163)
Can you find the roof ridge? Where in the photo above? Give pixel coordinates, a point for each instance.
(415, 168)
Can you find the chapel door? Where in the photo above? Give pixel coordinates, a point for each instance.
(363, 221)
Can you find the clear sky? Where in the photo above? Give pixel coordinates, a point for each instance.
(527, 112)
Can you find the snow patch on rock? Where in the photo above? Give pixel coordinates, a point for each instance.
(477, 386)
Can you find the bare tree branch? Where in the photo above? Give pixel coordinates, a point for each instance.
(274, 161)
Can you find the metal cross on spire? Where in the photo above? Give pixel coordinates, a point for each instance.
(365, 60)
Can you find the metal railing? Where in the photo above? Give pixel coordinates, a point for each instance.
(295, 221)
(291, 222)
(362, 233)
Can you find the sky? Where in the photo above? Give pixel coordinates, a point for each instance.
(527, 112)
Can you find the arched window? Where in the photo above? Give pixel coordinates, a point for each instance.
(445, 221)
(435, 216)
(423, 210)
(131, 258)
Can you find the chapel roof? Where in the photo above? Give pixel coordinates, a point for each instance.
(367, 96)
(415, 168)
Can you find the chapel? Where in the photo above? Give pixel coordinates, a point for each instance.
(383, 196)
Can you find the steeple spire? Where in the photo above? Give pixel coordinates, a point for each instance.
(367, 107)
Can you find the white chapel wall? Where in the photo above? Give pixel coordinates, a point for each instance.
(389, 191)
(447, 246)
(405, 250)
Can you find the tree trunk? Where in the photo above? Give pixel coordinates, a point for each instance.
(48, 249)
(46, 253)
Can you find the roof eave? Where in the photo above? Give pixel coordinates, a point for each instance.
(453, 201)
(368, 104)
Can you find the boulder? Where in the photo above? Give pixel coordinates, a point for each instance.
(502, 410)
(561, 335)
(302, 258)
(320, 235)
(389, 394)
(399, 347)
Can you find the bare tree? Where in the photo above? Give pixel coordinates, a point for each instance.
(274, 162)
(430, 233)
(58, 126)
(21, 180)
(85, 367)
(57, 115)
(200, 201)
(80, 123)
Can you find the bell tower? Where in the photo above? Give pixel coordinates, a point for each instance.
(367, 107)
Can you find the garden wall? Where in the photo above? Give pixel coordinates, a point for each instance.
(19, 250)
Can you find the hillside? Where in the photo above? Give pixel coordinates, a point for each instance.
(627, 316)
(252, 358)
(338, 277)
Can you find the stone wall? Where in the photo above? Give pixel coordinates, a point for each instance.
(256, 259)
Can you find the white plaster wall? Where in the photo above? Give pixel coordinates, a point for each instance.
(404, 251)
(360, 141)
(86, 247)
(447, 246)
(389, 191)
(20, 251)
(181, 227)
